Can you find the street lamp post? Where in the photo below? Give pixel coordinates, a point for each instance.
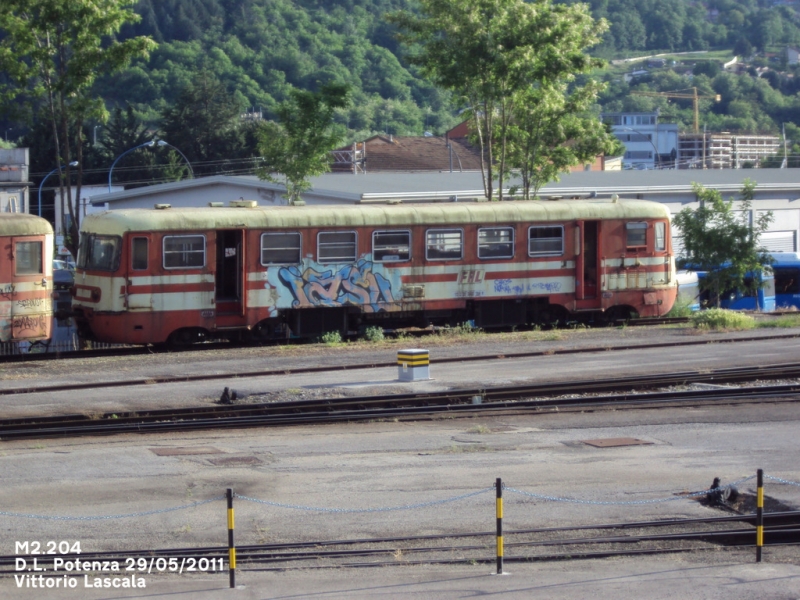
(74, 163)
(149, 144)
(163, 143)
(650, 139)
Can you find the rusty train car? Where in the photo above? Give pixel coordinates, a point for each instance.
(26, 278)
(243, 271)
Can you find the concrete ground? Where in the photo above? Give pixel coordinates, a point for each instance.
(387, 464)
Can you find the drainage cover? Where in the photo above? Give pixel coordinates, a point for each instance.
(614, 442)
(185, 451)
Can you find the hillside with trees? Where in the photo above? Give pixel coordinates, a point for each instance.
(216, 60)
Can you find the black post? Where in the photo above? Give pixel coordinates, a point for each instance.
(499, 486)
(760, 515)
(231, 546)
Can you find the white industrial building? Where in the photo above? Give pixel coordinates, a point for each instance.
(778, 190)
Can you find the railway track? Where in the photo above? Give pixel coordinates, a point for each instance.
(617, 393)
(541, 544)
(150, 380)
(227, 345)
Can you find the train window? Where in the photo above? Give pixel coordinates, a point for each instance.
(391, 246)
(336, 246)
(99, 252)
(280, 248)
(139, 254)
(28, 258)
(636, 235)
(787, 280)
(184, 251)
(444, 244)
(496, 242)
(661, 237)
(546, 241)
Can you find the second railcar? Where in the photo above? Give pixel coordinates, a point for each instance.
(786, 266)
(26, 278)
(151, 276)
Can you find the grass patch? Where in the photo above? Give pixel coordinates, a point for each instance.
(479, 429)
(681, 309)
(785, 322)
(466, 331)
(719, 319)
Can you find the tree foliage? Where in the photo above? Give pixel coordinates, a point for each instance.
(52, 51)
(552, 130)
(489, 52)
(723, 241)
(298, 147)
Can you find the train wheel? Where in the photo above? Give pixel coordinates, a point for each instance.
(618, 313)
(553, 316)
(186, 337)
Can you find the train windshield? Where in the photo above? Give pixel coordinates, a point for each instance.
(99, 252)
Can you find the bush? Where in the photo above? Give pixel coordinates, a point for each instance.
(721, 319)
(331, 338)
(374, 334)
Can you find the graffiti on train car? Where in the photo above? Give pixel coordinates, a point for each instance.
(23, 325)
(352, 284)
(7, 289)
(507, 286)
(32, 302)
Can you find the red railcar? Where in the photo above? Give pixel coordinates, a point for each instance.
(151, 276)
(26, 278)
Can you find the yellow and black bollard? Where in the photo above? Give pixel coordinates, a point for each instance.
(499, 486)
(760, 515)
(231, 546)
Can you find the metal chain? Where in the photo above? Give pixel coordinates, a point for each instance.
(625, 502)
(109, 517)
(367, 510)
(779, 480)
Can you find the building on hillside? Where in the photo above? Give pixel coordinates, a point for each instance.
(14, 184)
(649, 144)
(451, 153)
(382, 153)
(724, 150)
(792, 55)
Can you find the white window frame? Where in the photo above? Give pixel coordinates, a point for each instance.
(491, 244)
(182, 267)
(337, 260)
(635, 226)
(660, 229)
(540, 253)
(299, 248)
(444, 230)
(392, 232)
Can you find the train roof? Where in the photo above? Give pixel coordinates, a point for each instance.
(23, 224)
(117, 222)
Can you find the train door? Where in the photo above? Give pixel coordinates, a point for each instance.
(587, 267)
(31, 303)
(139, 291)
(229, 279)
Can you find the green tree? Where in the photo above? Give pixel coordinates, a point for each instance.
(551, 132)
(722, 241)
(298, 147)
(206, 125)
(486, 51)
(53, 51)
